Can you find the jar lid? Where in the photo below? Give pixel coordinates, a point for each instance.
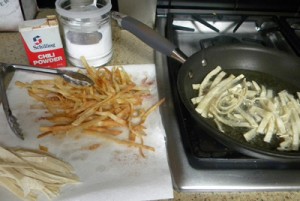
(67, 9)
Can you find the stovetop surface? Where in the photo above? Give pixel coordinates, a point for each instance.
(199, 162)
(192, 33)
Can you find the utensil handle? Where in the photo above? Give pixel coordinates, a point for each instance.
(11, 119)
(149, 36)
(35, 69)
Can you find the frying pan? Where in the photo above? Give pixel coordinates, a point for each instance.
(268, 63)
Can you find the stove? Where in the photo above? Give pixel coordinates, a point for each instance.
(197, 161)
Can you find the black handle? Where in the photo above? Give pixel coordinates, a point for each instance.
(149, 36)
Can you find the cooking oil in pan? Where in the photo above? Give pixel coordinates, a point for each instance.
(270, 82)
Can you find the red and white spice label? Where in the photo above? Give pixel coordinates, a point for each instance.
(42, 42)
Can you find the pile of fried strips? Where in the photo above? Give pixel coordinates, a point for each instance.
(103, 110)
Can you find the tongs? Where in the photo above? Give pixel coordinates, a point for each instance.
(68, 75)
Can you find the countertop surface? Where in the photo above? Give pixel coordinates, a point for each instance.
(129, 50)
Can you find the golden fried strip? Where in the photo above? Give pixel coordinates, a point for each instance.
(149, 111)
(106, 130)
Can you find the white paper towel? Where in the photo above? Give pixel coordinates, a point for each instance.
(111, 172)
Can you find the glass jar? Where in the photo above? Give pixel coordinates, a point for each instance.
(86, 30)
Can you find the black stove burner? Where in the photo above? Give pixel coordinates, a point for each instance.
(218, 40)
(255, 41)
(228, 40)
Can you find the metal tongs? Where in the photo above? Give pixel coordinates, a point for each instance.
(68, 75)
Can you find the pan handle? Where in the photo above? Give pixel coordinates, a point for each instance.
(149, 36)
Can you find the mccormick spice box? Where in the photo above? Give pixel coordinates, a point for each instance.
(42, 42)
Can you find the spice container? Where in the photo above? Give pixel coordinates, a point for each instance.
(86, 30)
(42, 42)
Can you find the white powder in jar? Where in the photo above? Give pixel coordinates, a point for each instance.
(95, 47)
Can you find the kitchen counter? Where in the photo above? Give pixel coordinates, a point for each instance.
(129, 50)
(126, 48)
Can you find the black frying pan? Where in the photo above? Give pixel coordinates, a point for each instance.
(272, 66)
